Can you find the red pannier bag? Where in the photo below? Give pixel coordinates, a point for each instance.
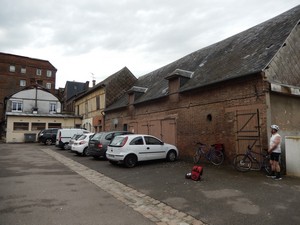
(197, 172)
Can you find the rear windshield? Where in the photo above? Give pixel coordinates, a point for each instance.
(117, 141)
(97, 136)
(82, 137)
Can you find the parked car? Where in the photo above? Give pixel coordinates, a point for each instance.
(98, 143)
(47, 136)
(64, 136)
(74, 138)
(131, 149)
(80, 145)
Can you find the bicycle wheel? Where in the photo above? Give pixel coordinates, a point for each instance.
(196, 157)
(242, 163)
(267, 166)
(217, 157)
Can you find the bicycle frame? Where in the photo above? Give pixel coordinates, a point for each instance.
(263, 162)
(212, 155)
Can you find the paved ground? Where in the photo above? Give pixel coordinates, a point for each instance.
(51, 186)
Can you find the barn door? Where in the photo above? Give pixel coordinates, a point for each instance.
(168, 131)
(248, 130)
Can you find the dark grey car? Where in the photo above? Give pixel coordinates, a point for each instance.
(98, 144)
(47, 136)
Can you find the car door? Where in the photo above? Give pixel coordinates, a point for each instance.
(154, 148)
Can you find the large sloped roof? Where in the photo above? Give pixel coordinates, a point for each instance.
(242, 54)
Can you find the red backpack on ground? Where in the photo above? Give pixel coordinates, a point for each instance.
(197, 172)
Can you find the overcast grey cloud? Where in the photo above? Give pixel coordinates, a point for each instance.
(102, 36)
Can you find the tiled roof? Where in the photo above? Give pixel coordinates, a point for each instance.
(242, 54)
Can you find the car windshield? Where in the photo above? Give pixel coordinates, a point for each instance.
(117, 141)
(97, 136)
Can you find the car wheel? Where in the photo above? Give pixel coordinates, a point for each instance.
(48, 141)
(65, 147)
(171, 156)
(130, 161)
(85, 153)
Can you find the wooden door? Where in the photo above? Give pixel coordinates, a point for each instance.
(247, 130)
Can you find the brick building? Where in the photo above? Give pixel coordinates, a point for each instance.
(229, 92)
(17, 72)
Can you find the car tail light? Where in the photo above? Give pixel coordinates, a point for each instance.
(100, 145)
(59, 136)
(82, 142)
(124, 141)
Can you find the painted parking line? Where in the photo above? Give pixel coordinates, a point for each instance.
(154, 210)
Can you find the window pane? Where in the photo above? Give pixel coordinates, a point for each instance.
(38, 126)
(152, 141)
(12, 68)
(21, 126)
(54, 125)
(48, 85)
(49, 73)
(52, 107)
(23, 70)
(17, 107)
(98, 102)
(38, 72)
(22, 83)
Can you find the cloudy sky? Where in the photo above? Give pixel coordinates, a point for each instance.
(93, 39)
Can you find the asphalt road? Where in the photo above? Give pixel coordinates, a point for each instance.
(35, 188)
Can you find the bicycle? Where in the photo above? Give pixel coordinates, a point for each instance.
(245, 162)
(213, 155)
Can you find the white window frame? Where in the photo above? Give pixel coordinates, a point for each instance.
(48, 85)
(38, 72)
(52, 107)
(22, 83)
(49, 73)
(23, 70)
(17, 106)
(12, 68)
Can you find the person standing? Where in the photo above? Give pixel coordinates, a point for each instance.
(275, 151)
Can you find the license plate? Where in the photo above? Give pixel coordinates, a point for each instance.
(112, 156)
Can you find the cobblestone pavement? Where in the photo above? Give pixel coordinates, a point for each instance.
(152, 209)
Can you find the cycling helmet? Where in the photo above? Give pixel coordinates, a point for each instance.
(275, 127)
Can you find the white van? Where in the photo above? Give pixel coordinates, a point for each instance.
(64, 135)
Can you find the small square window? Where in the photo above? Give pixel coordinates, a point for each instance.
(12, 68)
(38, 72)
(23, 70)
(49, 73)
(48, 85)
(22, 83)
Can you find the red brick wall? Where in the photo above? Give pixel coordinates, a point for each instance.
(193, 110)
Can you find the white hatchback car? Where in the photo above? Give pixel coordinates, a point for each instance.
(132, 148)
(80, 145)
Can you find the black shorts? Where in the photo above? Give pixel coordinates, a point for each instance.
(275, 156)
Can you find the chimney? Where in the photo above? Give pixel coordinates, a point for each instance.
(87, 85)
(94, 82)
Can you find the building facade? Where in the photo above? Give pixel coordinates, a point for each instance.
(228, 93)
(33, 109)
(18, 72)
(90, 105)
